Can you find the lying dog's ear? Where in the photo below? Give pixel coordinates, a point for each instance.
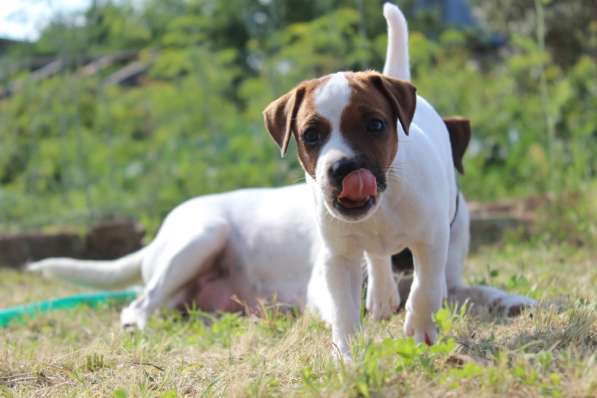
(459, 129)
(279, 116)
(402, 96)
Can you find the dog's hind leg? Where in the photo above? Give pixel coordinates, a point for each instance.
(179, 258)
(458, 247)
(496, 300)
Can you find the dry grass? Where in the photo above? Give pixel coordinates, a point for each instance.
(549, 351)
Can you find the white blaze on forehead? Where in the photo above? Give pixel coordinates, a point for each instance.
(332, 97)
(330, 100)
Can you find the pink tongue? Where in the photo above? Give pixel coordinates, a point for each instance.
(358, 186)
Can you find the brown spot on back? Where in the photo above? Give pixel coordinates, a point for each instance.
(459, 130)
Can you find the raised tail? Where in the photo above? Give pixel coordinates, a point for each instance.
(111, 274)
(397, 64)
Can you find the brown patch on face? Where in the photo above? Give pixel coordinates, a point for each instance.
(309, 122)
(294, 113)
(376, 98)
(459, 129)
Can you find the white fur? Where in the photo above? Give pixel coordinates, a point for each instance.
(383, 298)
(397, 64)
(421, 193)
(332, 97)
(287, 243)
(330, 100)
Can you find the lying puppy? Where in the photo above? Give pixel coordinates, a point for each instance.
(380, 178)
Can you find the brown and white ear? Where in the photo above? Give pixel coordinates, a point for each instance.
(459, 129)
(402, 96)
(279, 116)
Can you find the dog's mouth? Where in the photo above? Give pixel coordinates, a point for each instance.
(358, 194)
(355, 209)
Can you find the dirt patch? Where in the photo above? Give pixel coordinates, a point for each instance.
(490, 221)
(106, 240)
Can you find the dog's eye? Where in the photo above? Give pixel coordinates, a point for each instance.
(375, 125)
(311, 136)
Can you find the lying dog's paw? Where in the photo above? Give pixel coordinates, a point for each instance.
(511, 304)
(421, 328)
(132, 317)
(383, 301)
(41, 267)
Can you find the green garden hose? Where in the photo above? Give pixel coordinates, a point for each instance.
(8, 315)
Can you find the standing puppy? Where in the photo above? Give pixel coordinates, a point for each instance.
(379, 186)
(378, 160)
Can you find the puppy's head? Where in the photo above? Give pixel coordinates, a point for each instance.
(345, 125)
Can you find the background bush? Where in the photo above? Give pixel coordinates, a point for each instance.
(74, 149)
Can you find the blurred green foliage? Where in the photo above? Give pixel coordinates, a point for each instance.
(74, 148)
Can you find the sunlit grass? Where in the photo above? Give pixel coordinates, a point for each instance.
(547, 352)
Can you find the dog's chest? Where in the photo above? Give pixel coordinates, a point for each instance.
(385, 233)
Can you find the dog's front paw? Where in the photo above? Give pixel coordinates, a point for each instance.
(132, 317)
(342, 354)
(422, 328)
(383, 301)
(511, 304)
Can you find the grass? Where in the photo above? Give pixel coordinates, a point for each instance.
(550, 351)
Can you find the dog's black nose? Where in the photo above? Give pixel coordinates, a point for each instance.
(342, 168)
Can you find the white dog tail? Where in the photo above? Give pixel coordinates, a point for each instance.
(121, 272)
(397, 64)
